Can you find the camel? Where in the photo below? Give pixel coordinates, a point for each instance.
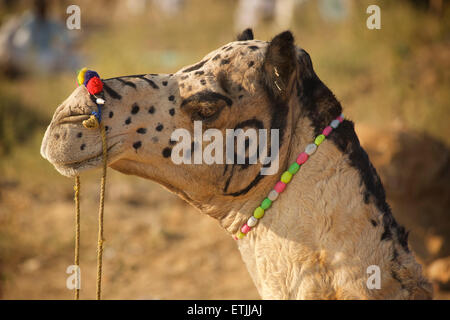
(326, 232)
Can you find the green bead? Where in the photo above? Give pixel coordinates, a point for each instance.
(241, 235)
(258, 213)
(286, 177)
(319, 139)
(265, 204)
(294, 168)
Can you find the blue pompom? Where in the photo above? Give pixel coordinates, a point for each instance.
(88, 75)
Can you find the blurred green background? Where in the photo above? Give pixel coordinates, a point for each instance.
(393, 82)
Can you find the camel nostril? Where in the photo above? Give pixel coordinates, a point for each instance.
(56, 136)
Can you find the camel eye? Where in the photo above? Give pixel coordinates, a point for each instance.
(207, 111)
(205, 105)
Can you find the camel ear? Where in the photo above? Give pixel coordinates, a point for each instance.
(247, 34)
(279, 65)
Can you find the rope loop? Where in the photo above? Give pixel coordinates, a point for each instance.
(94, 86)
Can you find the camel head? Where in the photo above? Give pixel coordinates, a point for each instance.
(244, 84)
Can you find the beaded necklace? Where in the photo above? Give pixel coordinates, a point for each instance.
(286, 177)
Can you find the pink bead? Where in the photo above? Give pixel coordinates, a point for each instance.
(302, 157)
(279, 187)
(245, 228)
(340, 119)
(327, 131)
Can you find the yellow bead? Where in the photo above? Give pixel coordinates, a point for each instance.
(258, 213)
(319, 139)
(240, 235)
(286, 177)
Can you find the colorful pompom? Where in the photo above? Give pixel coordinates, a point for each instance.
(94, 85)
(91, 80)
(80, 76)
(89, 75)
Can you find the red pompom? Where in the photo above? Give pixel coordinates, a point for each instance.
(95, 85)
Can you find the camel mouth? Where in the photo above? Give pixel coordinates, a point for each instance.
(71, 169)
(79, 118)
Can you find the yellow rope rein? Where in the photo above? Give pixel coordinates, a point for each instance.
(77, 235)
(92, 123)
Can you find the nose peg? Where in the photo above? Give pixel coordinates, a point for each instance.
(91, 123)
